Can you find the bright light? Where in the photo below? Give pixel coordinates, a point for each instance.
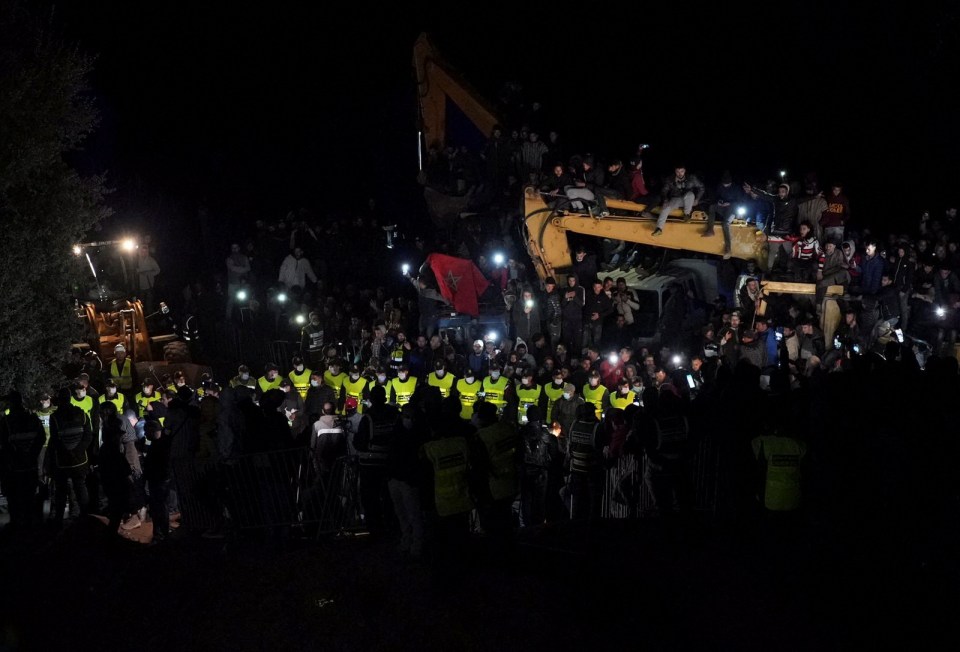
(129, 244)
(941, 311)
(783, 173)
(77, 250)
(242, 295)
(282, 297)
(405, 268)
(677, 360)
(492, 336)
(613, 358)
(300, 319)
(498, 258)
(528, 303)
(741, 211)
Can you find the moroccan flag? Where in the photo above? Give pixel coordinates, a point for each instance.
(459, 281)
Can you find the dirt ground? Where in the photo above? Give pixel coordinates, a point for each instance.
(642, 585)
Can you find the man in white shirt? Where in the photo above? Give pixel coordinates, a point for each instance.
(295, 270)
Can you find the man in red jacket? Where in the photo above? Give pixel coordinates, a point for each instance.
(834, 219)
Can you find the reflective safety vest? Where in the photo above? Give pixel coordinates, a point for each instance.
(117, 400)
(781, 458)
(451, 480)
(301, 382)
(143, 401)
(266, 385)
(396, 357)
(44, 416)
(403, 390)
(314, 337)
(444, 383)
(86, 405)
(527, 396)
(582, 447)
(621, 401)
(123, 377)
(468, 396)
(554, 394)
(334, 382)
(595, 395)
(355, 389)
(236, 381)
(501, 443)
(493, 392)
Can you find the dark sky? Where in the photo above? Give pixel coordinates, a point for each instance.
(256, 111)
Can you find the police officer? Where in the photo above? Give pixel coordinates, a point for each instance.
(780, 458)
(494, 388)
(624, 396)
(402, 387)
(334, 378)
(311, 338)
(596, 394)
(317, 394)
(244, 379)
(468, 389)
(356, 386)
(299, 376)
(111, 393)
(584, 463)
(529, 394)
(553, 391)
(400, 352)
(440, 379)
(269, 380)
(68, 459)
(145, 397)
(21, 439)
(497, 455)
(373, 440)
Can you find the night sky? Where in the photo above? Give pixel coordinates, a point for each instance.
(252, 112)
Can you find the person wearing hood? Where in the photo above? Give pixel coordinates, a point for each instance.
(851, 261)
(830, 270)
(574, 298)
(67, 453)
(526, 315)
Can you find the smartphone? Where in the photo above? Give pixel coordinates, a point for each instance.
(837, 344)
(856, 348)
(779, 334)
(899, 335)
(691, 383)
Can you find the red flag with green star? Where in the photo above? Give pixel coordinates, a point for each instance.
(459, 281)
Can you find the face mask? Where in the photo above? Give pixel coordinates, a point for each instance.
(495, 374)
(244, 376)
(81, 394)
(440, 373)
(111, 391)
(181, 383)
(45, 405)
(594, 382)
(558, 383)
(147, 392)
(402, 377)
(314, 383)
(526, 382)
(469, 379)
(354, 377)
(299, 368)
(567, 395)
(286, 390)
(624, 390)
(381, 378)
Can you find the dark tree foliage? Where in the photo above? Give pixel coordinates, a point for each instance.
(46, 113)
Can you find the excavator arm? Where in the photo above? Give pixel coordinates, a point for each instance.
(436, 82)
(546, 232)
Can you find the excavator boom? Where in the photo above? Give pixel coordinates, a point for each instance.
(546, 232)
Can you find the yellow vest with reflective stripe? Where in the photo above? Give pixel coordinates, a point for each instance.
(117, 400)
(527, 396)
(554, 394)
(403, 389)
(86, 404)
(493, 392)
(781, 458)
(142, 402)
(468, 396)
(123, 377)
(451, 480)
(355, 389)
(267, 385)
(301, 382)
(595, 395)
(621, 401)
(334, 382)
(444, 384)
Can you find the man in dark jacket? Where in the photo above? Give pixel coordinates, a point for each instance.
(374, 440)
(67, 453)
(21, 439)
(596, 309)
(574, 298)
(724, 207)
(680, 190)
(781, 223)
(553, 312)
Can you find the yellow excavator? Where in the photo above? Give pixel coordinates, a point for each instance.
(547, 220)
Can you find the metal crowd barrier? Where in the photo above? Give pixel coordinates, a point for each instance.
(272, 489)
(627, 496)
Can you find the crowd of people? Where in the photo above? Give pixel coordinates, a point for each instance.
(524, 427)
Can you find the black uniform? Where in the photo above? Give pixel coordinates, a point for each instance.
(21, 440)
